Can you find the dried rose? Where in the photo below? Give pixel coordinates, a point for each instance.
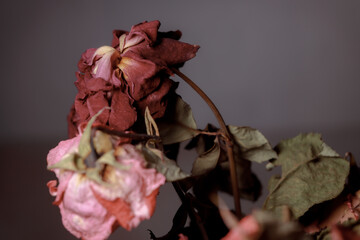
(248, 228)
(135, 73)
(93, 201)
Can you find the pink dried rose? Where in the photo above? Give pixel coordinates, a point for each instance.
(182, 237)
(92, 209)
(247, 229)
(129, 76)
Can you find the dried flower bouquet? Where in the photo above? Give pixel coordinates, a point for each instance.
(124, 130)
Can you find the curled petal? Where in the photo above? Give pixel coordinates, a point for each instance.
(157, 101)
(107, 58)
(52, 187)
(146, 31)
(53, 157)
(139, 74)
(168, 52)
(133, 191)
(86, 59)
(82, 214)
(116, 35)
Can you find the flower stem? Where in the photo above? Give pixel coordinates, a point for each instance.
(192, 213)
(228, 138)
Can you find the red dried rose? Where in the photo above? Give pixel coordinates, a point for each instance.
(128, 77)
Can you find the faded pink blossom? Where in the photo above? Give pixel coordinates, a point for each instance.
(91, 210)
(183, 237)
(247, 229)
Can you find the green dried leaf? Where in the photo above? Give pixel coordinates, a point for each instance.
(84, 148)
(71, 162)
(167, 167)
(253, 145)
(179, 125)
(206, 161)
(102, 142)
(95, 175)
(110, 159)
(311, 173)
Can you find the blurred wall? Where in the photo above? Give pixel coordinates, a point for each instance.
(283, 67)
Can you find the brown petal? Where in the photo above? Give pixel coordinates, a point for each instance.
(122, 115)
(97, 102)
(86, 59)
(72, 128)
(157, 100)
(139, 74)
(169, 52)
(150, 30)
(98, 84)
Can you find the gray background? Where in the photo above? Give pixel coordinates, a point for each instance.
(283, 67)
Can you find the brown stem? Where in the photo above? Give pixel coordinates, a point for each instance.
(135, 136)
(228, 139)
(192, 213)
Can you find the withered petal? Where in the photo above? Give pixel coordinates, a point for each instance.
(139, 74)
(86, 59)
(97, 84)
(97, 102)
(157, 100)
(122, 115)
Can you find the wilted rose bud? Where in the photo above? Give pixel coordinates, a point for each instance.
(94, 200)
(129, 76)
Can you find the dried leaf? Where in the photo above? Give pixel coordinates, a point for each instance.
(179, 125)
(71, 162)
(253, 145)
(206, 161)
(311, 173)
(102, 142)
(167, 167)
(84, 148)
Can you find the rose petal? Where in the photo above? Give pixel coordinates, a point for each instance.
(139, 74)
(97, 102)
(86, 59)
(122, 115)
(157, 100)
(82, 214)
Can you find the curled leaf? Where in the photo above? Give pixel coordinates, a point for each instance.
(253, 145)
(167, 167)
(206, 161)
(178, 125)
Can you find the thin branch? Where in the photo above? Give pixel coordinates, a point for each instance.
(192, 213)
(134, 136)
(228, 138)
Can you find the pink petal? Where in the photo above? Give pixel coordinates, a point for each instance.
(247, 229)
(82, 214)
